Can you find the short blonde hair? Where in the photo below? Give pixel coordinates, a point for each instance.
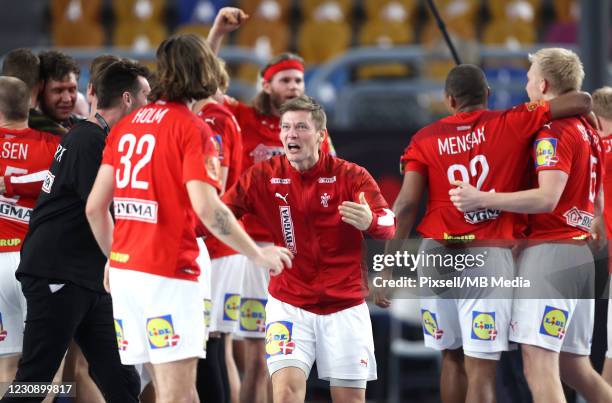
(561, 67)
(602, 102)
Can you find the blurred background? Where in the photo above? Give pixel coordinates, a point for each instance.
(378, 67)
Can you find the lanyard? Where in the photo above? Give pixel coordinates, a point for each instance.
(103, 123)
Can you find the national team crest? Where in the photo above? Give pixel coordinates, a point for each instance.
(325, 200)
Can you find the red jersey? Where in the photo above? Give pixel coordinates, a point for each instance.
(607, 183)
(226, 132)
(155, 151)
(25, 156)
(572, 146)
(488, 149)
(261, 141)
(300, 210)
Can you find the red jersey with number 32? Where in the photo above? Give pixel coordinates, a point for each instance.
(572, 146)
(488, 149)
(27, 153)
(155, 151)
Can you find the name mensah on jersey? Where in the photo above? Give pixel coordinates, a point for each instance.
(462, 143)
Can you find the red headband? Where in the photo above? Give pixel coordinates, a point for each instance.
(290, 64)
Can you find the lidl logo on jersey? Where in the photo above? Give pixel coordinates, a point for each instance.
(135, 209)
(546, 152)
(483, 326)
(48, 182)
(554, 322)
(278, 338)
(122, 343)
(478, 216)
(231, 307)
(13, 212)
(287, 228)
(578, 218)
(160, 332)
(253, 315)
(3, 332)
(430, 325)
(207, 310)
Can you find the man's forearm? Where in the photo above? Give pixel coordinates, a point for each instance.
(532, 201)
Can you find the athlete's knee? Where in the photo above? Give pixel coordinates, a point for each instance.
(287, 392)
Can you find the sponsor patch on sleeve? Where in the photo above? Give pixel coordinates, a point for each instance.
(546, 152)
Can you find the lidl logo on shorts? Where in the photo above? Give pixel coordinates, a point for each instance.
(278, 338)
(483, 326)
(231, 307)
(546, 152)
(253, 315)
(160, 332)
(3, 333)
(554, 322)
(430, 324)
(207, 311)
(122, 343)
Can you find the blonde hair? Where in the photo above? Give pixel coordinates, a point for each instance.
(562, 69)
(306, 104)
(602, 102)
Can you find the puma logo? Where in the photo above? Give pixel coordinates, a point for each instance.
(280, 196)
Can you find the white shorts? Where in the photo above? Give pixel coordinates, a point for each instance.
(477, 325)
(253, 301)
(341, 343)
(474, 318)
(12, 305)
(227, 278)
(157, 319)
(556, 324)
(204, 262)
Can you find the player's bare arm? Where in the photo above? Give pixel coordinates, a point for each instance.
(222, 223)
(542, 199)
(2, 185)
(97, 208)
(571, 104)
(228, 19)
(219, 220)
(406, 207)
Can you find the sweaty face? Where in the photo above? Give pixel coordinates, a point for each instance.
(59, 97)
(535, 83)
(301, 140)
(285, 85)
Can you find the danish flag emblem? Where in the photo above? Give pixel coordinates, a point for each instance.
(286, 347)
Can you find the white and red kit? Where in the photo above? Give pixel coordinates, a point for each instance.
(261, 141)
(572, 146)
(155, 151)
(25, 157)
(300, 211)
(488, 149)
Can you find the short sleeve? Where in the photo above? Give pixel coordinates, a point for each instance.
(108, 154)
(413, 159)
(194, 149)
(553, 151)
